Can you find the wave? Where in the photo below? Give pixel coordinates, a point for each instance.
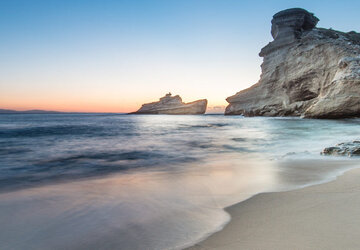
(82, 166)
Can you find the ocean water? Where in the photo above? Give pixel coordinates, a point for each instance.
(114, 181)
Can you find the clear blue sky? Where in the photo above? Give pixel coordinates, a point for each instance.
(115, 55)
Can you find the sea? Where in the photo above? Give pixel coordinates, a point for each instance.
(117, 181)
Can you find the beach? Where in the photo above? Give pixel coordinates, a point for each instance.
(171, 125)
(324, 216)
(100, 181)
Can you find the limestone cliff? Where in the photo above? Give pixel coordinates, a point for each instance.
(173, 105)
(306, 71)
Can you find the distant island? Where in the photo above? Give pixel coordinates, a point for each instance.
(39, 111)
(33, 111)
(173, 105)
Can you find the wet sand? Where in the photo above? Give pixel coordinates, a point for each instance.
(324, 216)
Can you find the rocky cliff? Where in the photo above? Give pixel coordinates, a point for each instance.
(306, 71)
(173, 105)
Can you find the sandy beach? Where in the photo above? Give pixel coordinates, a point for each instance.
(324, 216)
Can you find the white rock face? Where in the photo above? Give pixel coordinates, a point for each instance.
(173, 105)
(306, 71)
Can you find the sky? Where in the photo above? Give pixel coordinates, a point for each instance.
(114, 55)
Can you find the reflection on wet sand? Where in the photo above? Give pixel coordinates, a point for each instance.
(165, 209)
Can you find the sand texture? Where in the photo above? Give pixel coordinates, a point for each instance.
(325, 216)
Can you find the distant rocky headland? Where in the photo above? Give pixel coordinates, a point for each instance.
(173, 105)
(34, 111)
(306, 71)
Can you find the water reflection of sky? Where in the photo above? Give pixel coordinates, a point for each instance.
(44, 148)
(139, 210)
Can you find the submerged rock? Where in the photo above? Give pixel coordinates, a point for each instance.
(346, 148)
(173, 105)
(307, 71)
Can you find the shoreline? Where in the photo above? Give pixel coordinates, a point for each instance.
(289, 219)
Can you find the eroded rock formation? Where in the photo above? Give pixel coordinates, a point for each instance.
(306, 71)
(173, 105)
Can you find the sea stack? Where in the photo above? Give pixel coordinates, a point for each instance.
(306, 71)
(173, 105)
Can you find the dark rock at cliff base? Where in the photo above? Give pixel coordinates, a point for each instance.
(346, 148)
(173, 105)
(306, 71)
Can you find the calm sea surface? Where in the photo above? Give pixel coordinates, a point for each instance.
(107, 181)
